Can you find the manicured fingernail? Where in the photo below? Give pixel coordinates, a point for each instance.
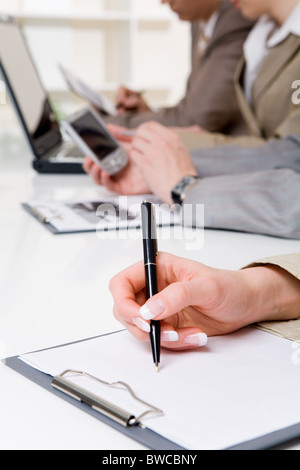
(152, 309)
(169, 336)
(141, 324)
(200, 339)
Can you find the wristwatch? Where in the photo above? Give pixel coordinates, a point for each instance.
(179, 191)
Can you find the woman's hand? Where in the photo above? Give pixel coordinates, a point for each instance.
(196, 301)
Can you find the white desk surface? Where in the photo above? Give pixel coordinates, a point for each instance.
(54, 289)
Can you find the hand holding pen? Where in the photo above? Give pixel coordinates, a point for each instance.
(150, 254)
(130, 101)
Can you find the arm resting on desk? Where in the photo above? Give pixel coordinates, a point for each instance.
(287, 329)
(265, 202)
(233, 159)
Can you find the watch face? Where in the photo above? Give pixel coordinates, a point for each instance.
(178, 193)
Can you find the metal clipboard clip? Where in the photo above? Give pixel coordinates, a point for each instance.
(38, 213)
(110, 410)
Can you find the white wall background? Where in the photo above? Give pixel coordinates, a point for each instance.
(138, 43)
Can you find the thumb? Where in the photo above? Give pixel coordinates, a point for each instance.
(109, 183)
(171, 300)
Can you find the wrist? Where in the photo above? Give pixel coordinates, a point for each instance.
(274, 294)
(180, 191)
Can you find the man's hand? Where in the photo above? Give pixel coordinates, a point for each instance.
(158, 160)
(128, 181)
(161, 158)
(129, 100)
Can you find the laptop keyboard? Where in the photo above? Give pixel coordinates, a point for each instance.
(68, 153)
(72, 151)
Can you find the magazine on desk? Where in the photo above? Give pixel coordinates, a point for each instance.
(100, 214)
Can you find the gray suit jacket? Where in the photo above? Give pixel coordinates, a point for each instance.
(210, 100)
(251, 190)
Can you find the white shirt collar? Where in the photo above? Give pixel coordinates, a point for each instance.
(256, 45)
(209, 26)
(206, 31)
(265, 26)
(265, 35)
(290, 26)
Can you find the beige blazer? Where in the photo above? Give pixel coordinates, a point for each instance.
(210, 99)
(290, 262)
(289, 329)
(273, 114)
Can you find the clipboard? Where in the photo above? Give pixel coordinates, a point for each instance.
(99, 215)
(127, 425)
(93, 406)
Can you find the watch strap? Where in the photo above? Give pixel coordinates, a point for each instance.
(179, 191)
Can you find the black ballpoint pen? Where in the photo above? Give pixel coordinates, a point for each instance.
(150, 254)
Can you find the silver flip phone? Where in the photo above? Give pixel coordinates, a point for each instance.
(90, 134)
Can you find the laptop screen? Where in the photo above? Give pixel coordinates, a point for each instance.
(25, 88)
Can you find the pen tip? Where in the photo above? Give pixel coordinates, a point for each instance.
(157, 366)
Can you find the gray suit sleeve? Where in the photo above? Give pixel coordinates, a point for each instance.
(231, 159)
(265, 202)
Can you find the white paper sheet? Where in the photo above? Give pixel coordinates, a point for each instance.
(77, 86)
(237, 388)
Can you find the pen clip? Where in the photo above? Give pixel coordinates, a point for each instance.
(148, 221)
(38, 213)
(154, 229)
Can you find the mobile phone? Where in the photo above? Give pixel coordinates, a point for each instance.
(90, 134)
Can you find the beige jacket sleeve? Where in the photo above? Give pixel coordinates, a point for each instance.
(290, 263)
(289, 329)
(206, 140)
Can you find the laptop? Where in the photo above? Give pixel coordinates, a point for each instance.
(52, 151)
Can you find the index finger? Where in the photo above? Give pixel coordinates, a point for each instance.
(125, 287)
(121, 94)
(87, 164)
(151, 129)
